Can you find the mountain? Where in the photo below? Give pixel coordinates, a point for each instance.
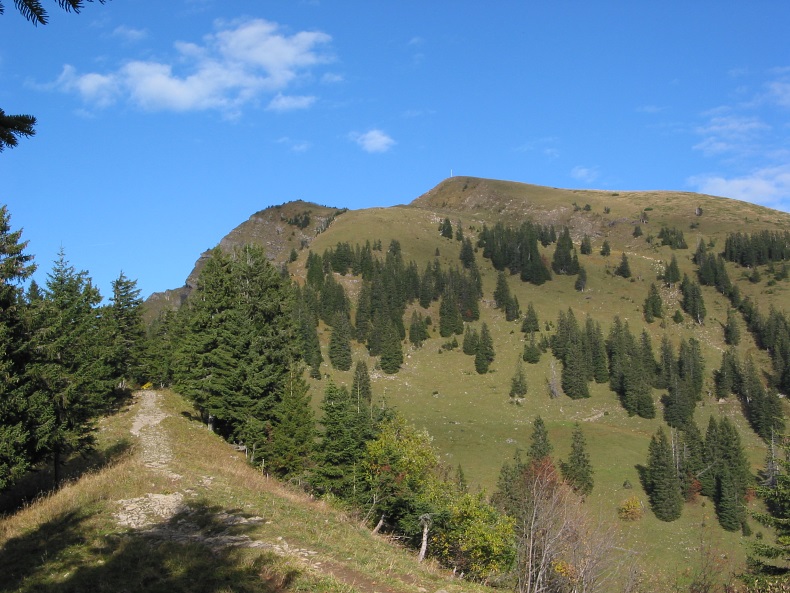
(471, 417)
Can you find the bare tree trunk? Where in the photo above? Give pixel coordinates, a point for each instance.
(379, 525)
(425, 520)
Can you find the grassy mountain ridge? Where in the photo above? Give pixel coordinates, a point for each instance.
(470, 416)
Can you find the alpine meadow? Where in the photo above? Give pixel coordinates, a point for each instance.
(499, 385)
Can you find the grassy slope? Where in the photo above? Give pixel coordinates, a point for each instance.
(70, 540)
(470, 417)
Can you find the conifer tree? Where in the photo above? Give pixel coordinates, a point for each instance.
(471, 341)
(581, 280)
(732, 331)
(540, 448)
(727, 376)
(467, 255)
(530, 323)
(446, 229)
(418, 331)
(586, 245)
(663, 486)
(340, 453)
(391, 350)
(16, 445)
(291, 447)
(624, 269)
(484, 355)
(518, 384)
(575, 369)
(653, 307)
(124, 320)
(672, 272)
(606, 249)
(563, 261)
(532, 351)
(360, 387)
(502, 292)
(68, 379)
(340, 343)
(577, 470)
(597, 351)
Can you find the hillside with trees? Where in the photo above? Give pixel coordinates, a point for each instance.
(506, 379)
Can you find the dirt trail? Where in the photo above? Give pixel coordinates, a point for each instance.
(169, 517)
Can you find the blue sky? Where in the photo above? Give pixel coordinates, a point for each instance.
(164, 124)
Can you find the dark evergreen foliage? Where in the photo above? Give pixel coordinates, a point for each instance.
(540, 448)
(624, 269)
(654, 306)
(577, 470)
(672, 237)
(484, 355)
(564, 261)
(661, 479)
(606, 249)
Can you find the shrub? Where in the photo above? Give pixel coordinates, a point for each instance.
(631, 509)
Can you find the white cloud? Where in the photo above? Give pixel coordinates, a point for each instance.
(332, 78)
(232, 67)
(769, 186)
(585, 174)
(373, 140)
(295, 145)
(129, 34)
(289, 102)
(730, 134)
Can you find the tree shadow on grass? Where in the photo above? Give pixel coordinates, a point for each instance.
(40, 480)
(183, 554)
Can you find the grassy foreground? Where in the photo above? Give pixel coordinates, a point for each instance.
(219, 526)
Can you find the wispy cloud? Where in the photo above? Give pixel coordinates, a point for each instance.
(769, 186)
(546, 146)
(129, 34)
(585, 174)
(295, 145)
(373, 140)
(730, 134)
(289, 102)
(651, 109)
(232, 67)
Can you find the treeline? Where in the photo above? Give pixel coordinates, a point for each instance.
(757, 249)
(65, 357)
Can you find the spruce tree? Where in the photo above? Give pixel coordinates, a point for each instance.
(540, 448)
(124, 320)
(391, 350)
(484, 355)
(575, 369)
(502, 292)
(360, 387)
(418, 331)
(68, 378)
(577, 470)
(624, 269)
(653, 307)
(340, 343)
(663, 486)
(16, 445)
(530, 323)
(581, 280)
(342, 445)
(563, 261)
(471, 340)
(732, 331)
(518, 384)
(672, 272)
(606, 249)
(291, 448)
(586, 245)
(532, 351)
